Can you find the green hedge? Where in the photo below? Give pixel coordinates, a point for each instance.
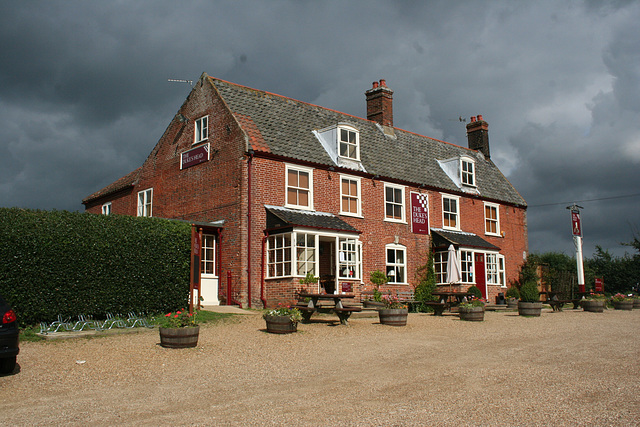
(70, 263)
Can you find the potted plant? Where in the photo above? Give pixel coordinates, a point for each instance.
(472, 310)
(310, 280)
(394, 313)
(283, 319)
(378, 278)
(529, 304)
(622, 302)
(513, 295)
(594, 303)
(179, 329)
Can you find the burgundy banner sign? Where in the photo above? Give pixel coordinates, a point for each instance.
(599, 285)
(194, 157)
(575, 224)
(420, 213)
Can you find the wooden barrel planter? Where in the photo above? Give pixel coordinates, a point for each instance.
(636, 303)
(393, 316)
(471, 314)
(512, 303)
(529, 308)
(593, 306)
(280, 325)
(179, 337)
(373, 304)
(626, 304)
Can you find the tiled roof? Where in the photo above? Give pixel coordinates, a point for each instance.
(126, 181)
(284, 127)
(467, 240)
(279, 217)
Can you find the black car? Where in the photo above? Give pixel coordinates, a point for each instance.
(8, 338)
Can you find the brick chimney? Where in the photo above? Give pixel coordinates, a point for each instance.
(380, 103)
(478, 135)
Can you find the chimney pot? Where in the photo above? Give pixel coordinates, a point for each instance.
(380, 103)
(478, 135)
(479, 116)
(473, 119)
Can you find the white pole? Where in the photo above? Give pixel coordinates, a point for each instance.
(578, 243)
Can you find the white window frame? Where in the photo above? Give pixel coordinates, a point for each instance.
(106, 208)
(440, 266)
(467, 172)
(280, 255)
(495, 220)
(208, 255)
(450, 213)
(299, 169)
(467, 266)
(403, 213)
(201, 130)
(357, 197)
(394, 267)
(355, 145)
(494, 269)
(145, 202)
(287, 256)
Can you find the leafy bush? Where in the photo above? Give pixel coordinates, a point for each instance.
(69, 263)
(529, 292)
(513, 292)
(475, 291)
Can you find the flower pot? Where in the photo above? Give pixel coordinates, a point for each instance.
(626, 304)
(636, 303)
(529, 308)
(512, 303)
(280, 325)
(471, 314)
(393, 316)
(179, 337)
(593, 306)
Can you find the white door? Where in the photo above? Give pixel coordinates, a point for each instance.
(208, 276)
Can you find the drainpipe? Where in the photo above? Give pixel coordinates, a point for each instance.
(249, 164)
(262, 298)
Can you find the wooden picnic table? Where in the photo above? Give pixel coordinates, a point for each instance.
(449, 298)
(343, 312)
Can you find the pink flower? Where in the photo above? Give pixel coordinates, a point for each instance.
(167, 315)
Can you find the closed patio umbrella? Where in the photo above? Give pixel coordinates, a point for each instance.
(453, 271)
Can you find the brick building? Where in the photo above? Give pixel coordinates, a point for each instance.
(280, 188)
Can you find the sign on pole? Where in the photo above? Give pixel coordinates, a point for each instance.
(420, 213)
(576, 230)
(576, 226)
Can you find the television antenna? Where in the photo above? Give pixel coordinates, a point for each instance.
(181, 81)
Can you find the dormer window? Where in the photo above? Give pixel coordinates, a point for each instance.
(467, 172)
(348, 143)
(202, 129)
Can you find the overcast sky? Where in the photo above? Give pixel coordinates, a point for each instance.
(84, 95)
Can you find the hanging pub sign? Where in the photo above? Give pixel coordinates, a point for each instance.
(420, 213)
(576, 226)
(194, 156)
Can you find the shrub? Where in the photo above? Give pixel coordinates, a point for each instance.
(475, 291)
(69, 263)
(513, 292)
(529, 292)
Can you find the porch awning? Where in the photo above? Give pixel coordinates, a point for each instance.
(279, 218)
(444, 238)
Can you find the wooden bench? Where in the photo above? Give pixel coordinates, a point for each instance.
(438, 307)
(557, 304)
(345, 312)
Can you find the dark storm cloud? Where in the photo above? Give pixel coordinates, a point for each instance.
(84, 93)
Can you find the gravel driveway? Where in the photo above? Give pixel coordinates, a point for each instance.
(566, 368)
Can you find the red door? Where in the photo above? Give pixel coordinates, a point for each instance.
(481, 281)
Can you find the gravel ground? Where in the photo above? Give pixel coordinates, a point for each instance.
(567, 368)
